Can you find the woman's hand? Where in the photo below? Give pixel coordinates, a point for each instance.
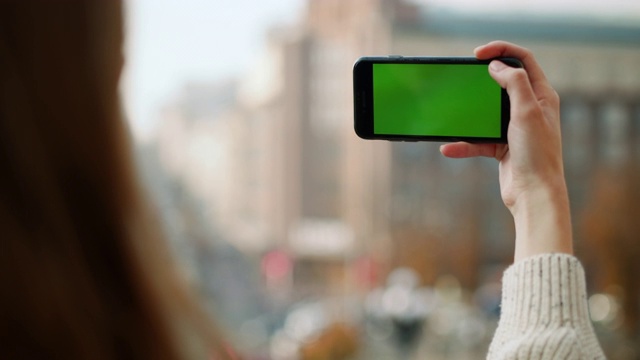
(531, 168)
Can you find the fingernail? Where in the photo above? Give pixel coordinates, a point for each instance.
(497, 66)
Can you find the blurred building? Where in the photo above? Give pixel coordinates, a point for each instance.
(406, 203)
(290, 174)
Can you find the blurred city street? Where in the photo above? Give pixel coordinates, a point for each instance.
(306, 242)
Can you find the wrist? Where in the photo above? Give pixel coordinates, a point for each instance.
(542, 220)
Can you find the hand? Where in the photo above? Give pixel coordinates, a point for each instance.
(532, 181)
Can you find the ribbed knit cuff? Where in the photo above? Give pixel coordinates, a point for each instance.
(544, 290)
(544, 310)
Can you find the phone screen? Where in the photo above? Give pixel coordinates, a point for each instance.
(441, 100)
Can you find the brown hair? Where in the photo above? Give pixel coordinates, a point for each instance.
(84, 272)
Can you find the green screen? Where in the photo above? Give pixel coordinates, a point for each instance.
(436, 100)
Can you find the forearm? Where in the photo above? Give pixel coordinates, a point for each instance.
(542, 221)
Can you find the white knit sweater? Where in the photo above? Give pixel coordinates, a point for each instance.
(544, 312)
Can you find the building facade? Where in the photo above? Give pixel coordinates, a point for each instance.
(303, 183)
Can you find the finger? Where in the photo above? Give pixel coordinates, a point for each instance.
(516, 82)
(537, 77)
(461, 150)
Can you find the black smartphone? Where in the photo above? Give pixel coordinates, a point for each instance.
(429, 99)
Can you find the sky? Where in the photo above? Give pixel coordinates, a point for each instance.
(170, 43)
(173, 42)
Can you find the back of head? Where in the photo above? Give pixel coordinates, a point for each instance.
(74, 281)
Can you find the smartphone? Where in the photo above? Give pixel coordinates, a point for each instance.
(429, 99)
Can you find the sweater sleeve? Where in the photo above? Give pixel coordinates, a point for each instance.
(544, 312)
